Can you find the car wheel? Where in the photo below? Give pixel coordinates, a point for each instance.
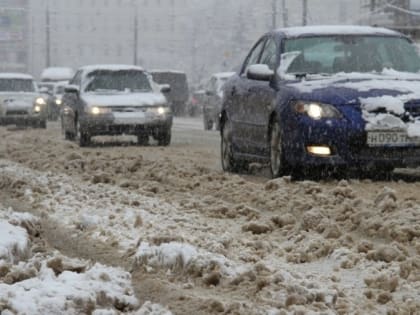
(142, 139)
(229, 164)
(278, 165)
(67, 134)
(164, 137)
(84, 137)
(40, 124)
(208, 124)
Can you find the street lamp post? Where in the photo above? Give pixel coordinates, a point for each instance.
(48, 36)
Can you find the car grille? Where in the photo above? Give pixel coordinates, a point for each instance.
(128, 109)
(16, 112)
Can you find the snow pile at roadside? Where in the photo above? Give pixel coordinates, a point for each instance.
(13, 242)
(184, 257)
(46, 289)
(49, 283)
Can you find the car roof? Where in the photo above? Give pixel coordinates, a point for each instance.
(166, 71)
(21, 76)
(304, 31)
(110, 67)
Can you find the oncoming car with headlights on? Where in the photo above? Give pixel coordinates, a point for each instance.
(115, 100)
(20, 101)
(324, 97)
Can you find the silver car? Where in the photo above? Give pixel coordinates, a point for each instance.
(20, 102)
(212, 99)
(115, 100)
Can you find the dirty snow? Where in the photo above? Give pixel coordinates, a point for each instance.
(206, 242)
(50, 283)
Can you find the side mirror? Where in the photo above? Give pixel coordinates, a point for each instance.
(165, 88)
(72, 89)
(259, 72)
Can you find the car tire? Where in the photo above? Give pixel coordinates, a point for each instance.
(208, 124)
(143, 139)
(68, 135)
(278, 165)
(164, 137)
(85, 138)
(229, 163)
(42, 124)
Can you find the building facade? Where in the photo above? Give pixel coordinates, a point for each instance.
(14, 35)
(195, 36)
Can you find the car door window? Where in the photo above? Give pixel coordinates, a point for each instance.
(254, 57)
(269, 55)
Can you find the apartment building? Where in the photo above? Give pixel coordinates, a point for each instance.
(13, 35)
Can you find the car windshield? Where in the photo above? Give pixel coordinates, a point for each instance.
(352, 53)
(16, 85)
(121, 81)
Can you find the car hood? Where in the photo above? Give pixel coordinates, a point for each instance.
(17, 100)
(124, 99)
(386, 101)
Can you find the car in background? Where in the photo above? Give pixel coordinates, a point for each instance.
(115, 100)
(212, 99)
(329, 97)
(56, 74)
(20, 101)
(54, 100)
(179, 92)
(195, 103)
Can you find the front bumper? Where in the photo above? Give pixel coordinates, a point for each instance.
(348, 143)
(112, 124)
(24, 119)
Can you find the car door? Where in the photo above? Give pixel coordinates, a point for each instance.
(261, 100)
(237, 93)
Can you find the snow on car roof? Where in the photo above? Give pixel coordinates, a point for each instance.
(336, 30)
(115, 67)
(57, 73)
(166, 71)
(22, 76)
(223, 75)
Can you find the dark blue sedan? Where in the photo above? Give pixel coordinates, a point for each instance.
(335, 97)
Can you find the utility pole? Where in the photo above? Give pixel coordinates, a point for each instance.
(305, 12)
(136, 37)
(48, 37)
(285, 13)
(274, 13)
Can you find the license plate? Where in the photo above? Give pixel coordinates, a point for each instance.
(130, 118)
(390, 139)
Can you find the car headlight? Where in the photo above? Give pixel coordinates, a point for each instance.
(58, 101)
(97, 110)
(316, 110)
(37, 108)
(161, 110)
(40, 101)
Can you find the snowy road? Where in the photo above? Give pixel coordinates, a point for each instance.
(199, 241)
